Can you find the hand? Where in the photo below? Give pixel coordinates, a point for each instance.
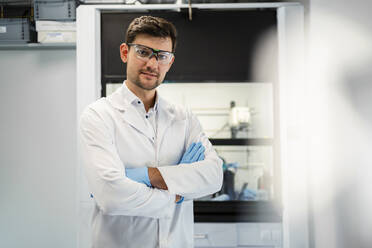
(156, 179)
(140, 175)
(179, 199)
(194, 153)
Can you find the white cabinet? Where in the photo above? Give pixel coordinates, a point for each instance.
(215, 235)
(252, 235)
(259, 234)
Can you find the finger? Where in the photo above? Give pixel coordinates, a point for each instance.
(196, 148)
(189, 149)
(197, 154)
(181, 200)
(192, 152)
(186, 155)
(201, 157)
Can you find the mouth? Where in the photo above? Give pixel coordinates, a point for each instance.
(148, 74)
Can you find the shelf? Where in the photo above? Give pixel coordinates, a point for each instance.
(37, 46)
(242, 142)
(176, 6)
(236, 211)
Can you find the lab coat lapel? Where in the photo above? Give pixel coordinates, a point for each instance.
(129, 114)
(133, 118)
(166, 116)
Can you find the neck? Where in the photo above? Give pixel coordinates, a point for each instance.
(146, 96)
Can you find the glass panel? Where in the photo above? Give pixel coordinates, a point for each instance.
(242, 133)
(211, 103)
(111, 88)
(243, 141)
(248, 174)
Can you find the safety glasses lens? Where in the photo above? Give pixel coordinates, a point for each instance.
(146, 53)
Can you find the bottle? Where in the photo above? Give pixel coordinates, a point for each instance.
(264, 186)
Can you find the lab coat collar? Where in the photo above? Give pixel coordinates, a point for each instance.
(133, 99)
(123, 96)
(122, 100)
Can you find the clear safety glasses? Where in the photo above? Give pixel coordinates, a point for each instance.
(145, 53)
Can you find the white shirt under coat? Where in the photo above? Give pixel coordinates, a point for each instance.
(115, 134)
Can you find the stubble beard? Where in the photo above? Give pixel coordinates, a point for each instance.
(141, 85)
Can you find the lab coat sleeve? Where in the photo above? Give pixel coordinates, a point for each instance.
(196, 179)
(114, 193)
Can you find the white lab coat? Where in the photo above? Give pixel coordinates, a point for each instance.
(127, 213)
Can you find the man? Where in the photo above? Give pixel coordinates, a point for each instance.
(145, 159)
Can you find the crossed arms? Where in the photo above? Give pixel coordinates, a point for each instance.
(116, 194)
(152, 176)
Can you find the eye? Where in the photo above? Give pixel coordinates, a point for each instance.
(163, 56)
(143, 52)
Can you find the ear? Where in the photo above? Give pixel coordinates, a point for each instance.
(124, 52)
(171, 63)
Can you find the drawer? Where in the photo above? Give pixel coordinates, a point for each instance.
(215, 235)
(259, 235)
(55, 9)
(14, 30)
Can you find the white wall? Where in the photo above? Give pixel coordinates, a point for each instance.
(38, 148)
(340, 130)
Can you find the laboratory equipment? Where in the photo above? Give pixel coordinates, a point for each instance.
(55, 9)
(240, 119)
(15, 30)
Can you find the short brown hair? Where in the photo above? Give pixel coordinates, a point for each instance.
(154, 26)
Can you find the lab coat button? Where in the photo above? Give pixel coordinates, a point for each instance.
(139, 102)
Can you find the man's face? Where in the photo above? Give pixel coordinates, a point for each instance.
(148, 74)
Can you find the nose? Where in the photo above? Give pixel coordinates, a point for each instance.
(153, 61)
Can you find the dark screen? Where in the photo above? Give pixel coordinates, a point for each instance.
(216, 46)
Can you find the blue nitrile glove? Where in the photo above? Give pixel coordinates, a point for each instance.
(201, 155)
(140, 175)
(194, 153)
(180, 200)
